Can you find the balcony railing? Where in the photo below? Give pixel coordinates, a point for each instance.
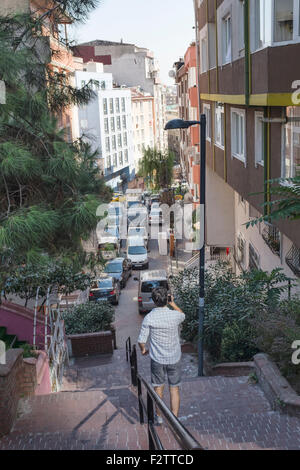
(271, 235)
(293, 260)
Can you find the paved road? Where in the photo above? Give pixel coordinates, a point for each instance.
(128, 320)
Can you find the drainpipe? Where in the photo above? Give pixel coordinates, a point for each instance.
(247, 52)
(267, 160)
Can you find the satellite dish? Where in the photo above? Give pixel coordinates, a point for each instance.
(172, 74)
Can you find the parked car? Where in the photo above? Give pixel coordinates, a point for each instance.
(137, 252)
(139, 232)
(105, 288)
(120, 269)
(155, 217)
(109, 236)
(113, 220)
(137, 216)
(116, 209)
(155, 205)
(147, 282)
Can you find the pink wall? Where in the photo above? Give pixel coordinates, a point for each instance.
(19, 321)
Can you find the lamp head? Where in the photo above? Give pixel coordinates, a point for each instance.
(179, 124)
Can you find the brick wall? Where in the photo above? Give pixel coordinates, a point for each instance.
(10, 375)
(28, 377)
(92, 344)
(19, 378)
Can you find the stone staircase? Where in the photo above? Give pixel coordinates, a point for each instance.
(97, 409)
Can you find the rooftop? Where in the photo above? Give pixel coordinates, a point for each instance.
(100, 42)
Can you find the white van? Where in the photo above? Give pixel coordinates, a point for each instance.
(137, 252)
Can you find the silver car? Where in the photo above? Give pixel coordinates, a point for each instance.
(147, 282)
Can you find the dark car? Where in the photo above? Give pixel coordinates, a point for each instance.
(120, 269)
(105, 288)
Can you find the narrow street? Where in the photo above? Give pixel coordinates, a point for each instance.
(128, 320)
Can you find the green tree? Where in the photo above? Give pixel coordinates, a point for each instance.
(157, 167)
(49, 188)
(285, 202)
(60, 276)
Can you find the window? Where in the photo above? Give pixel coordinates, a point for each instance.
(114, 142)
(112, 124)
(107, 144)
(291, 157)
(83, 83)
(226, 39)
(118, 123)
(105, 110)
(117, 105)
(240, 250)
(259, 139)
(119, 140)
(121, 158)
(272, 237)
(238, 134)
(125, 142)
(124, 121)
(293, 260)
(204, 64)
(219, 126)
(142, 121)
(123, 104)
(108, 161)
(241, 26)
(115, 159)
(254, 260)
(103, 85)
(206, 111)
(106, 128)
(111, 105)
(284, 20)
(126, 156)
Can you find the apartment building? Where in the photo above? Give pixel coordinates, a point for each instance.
(142, 122)
(106, 123)
(186, 79)
(54, 47)
(248, 70)
(131, 66)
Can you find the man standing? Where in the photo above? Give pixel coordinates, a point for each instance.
(162, 325)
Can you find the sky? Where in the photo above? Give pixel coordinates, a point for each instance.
(163, 26)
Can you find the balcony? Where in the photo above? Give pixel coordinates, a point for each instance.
(293, 260)
(271, 235)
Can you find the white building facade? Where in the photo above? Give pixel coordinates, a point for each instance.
(134, 66)
(106, 122)
(143, 122)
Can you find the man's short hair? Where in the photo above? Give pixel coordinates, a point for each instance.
(160, 296)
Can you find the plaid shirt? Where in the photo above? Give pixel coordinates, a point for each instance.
(162, 324)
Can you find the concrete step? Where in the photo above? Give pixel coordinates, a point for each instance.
(78, 420)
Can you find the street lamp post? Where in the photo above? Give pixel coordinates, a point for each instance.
(181, 124)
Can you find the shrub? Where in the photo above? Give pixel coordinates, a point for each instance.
(274, 334)
(89, 318)
(109, 247)
(238, 343)
(228, 299)
(28, 350)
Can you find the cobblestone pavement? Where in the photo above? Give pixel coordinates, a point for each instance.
(97, 409)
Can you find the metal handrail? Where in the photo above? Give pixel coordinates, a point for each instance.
(183, 437)
(128, 349)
